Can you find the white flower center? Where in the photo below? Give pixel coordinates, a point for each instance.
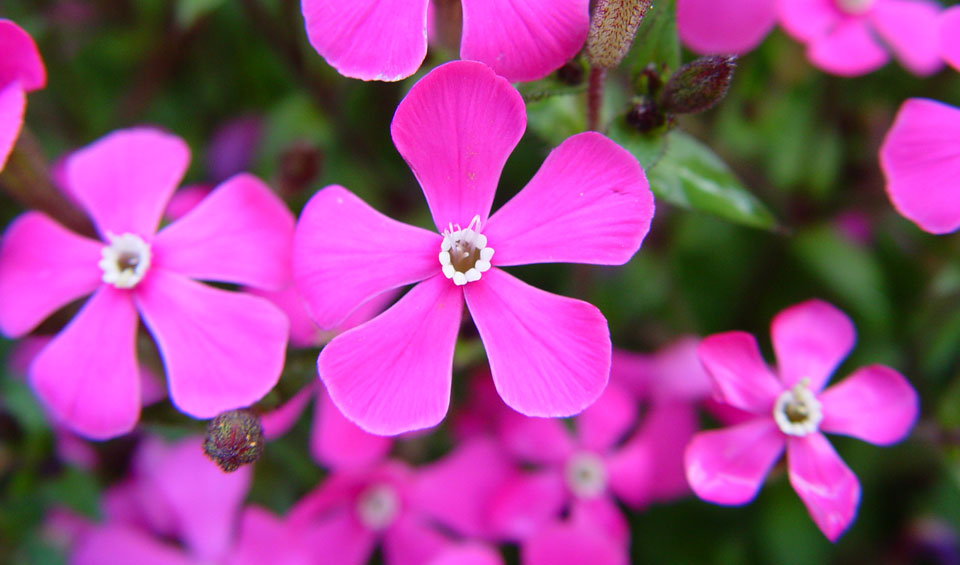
(854, 7)
(586, 475)
(797, 411)
(378, 506)
(125, 260)
(464, 254)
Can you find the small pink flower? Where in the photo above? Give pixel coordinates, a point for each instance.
(221, 350)
(875, 404)
(21, 71)
(920, 157)
(376, 40)
(852, 37)
(710, 27)
(950, 36)
(571, 543)
(549, 355)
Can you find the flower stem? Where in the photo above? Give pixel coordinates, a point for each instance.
(595, 97)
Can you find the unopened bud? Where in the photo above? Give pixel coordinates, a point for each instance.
(698, 85)
(612, 28)
(645, 116)
(233, 439)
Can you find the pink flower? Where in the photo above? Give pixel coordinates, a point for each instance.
(21, 71)
(950, 36)
(852, 37)
(376, 40)
(221, 350)
(710, 27)
(549, 355)
(920, 157)
(570, 543)
(875, 404)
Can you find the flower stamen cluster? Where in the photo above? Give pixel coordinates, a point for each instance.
(464, 254)
(125, 260)
(797, 411)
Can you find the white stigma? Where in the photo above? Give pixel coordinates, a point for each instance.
(378, 506)
(586, 475)
(797, 411)
(125, 260)
(464, 254)
(854, 7)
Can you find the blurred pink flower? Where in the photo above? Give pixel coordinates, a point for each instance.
(21, 71)
(729, 27)
(920, 157)
(374, 40)
(221, 350)
(875, 404)
(549, 355)
(854, 37)
(571, 543)
(950, 36)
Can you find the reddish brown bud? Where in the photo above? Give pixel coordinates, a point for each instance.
(698, 85)
(612, 28)
(644, 117)
(233, 439)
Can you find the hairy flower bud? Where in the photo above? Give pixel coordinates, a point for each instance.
(612, 28)
(233, 439)
(698, 85)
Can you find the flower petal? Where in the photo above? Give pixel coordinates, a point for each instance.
(807, 20)
(369, 39)
(470, 553)
(527, 502)
(911, 29)
(222, 350)
(281, 419)
(263, 538)
(43, 267)
(875, 404)
(125, 179)
(920, 157)
(571, 544)
(607, 421)
(456, 128)
(241, 233)
(88, 376)
(950, 36)
(601, 515)
(412, 541)
(849, 49)
(589, 203)
(711, 28)
(549, 354)
(345, 253)
(13, 104)
(392, 374)
(826, 485)
(738, 371)
(541, 441)
(117, 544)
(338, 443)
(523, 41)
(728, 466)
(21, 60)
(810, 340)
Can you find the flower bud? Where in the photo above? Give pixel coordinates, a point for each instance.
(233, 439)
(612, 28)
(644, 117)
(698, 85)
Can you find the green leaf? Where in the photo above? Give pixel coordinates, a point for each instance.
(648, 148)
(556, 118)
(692, 176)
(189, 11)
(656, 40)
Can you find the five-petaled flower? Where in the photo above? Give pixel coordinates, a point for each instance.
(21, 71)
(875, 404)
(221, 350)
(549, 355)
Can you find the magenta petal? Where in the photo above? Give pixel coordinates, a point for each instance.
(125, 179)
(13, 103)
(468, 554)
(19, 58)
(345, 253)
(589, 203)
(849, 49)
(875, 404)
(549, 354)
(87, 376)
(369, 39)
(122, 545)
(911, 29)
(602, 425)
(920, 157)
(43, 267)
(571, 544)
(393, 374)
(728, 466)
(241, 233)
(456, 128)
(826, 485)
(528, 502)
(535, 440)
(603, 516)
(412, 541)
(950, 36)
(222, 350)
(303, 332)
(810, 340)
(738, 371)
(807, 20)
(338, 443)
(280, 420)
(709, 27)
(526, 40)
